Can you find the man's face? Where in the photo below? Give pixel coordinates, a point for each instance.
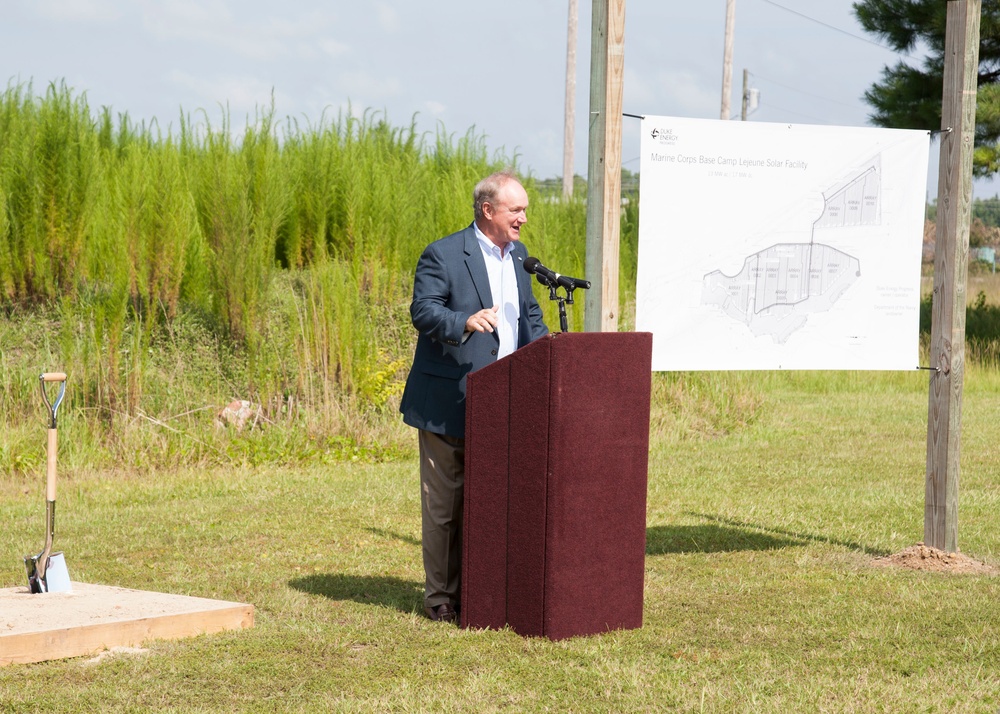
(504, 217)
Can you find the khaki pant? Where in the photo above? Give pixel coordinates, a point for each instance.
(442, 478)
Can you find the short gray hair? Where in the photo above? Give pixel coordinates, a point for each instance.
(486, 191)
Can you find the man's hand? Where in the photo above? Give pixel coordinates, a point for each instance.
(482, 321)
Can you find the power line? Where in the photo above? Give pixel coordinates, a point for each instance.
(837, 29)
(800, 91)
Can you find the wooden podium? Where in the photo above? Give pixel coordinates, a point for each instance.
(556, 458)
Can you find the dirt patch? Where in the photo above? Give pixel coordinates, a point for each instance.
(924, 557)
(117, 652)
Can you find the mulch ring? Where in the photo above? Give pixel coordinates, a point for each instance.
(924, 557)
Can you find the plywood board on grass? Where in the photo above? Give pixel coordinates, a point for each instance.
(92, 618)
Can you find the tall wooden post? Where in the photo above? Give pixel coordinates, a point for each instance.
(569, 118)
(727, 59)
(746, 94)
(951, 264)
(604, 167)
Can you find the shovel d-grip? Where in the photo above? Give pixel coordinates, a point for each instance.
(47, 571)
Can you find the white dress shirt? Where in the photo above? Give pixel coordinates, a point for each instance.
(503, 286)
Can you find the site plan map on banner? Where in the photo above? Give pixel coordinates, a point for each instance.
(780, 246)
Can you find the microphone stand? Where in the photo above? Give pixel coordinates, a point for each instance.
(554, 295)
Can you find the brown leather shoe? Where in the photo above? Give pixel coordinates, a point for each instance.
(441, 613)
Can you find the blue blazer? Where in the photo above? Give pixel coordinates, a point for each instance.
(450, 285)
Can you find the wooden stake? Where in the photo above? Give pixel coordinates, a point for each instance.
(951, 262)
(604, 170)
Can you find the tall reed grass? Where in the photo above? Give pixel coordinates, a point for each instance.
(982, 325)
(169, 274)
(285, 251)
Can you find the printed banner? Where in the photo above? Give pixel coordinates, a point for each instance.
(780, 246)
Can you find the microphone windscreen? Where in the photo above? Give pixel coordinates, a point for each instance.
(530, 264)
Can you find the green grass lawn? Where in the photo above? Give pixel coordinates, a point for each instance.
(760, 594)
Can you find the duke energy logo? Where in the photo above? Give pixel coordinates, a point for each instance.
(664, 137)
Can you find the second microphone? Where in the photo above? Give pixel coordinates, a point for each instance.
(552, 278)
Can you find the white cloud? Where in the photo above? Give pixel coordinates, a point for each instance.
(333, 48)
(78, 10)
(243, 95)
(213, 23)
(434, 108)
(674, 92)
(186, 18)
(388, 18)
(301, 26)
(359, 83)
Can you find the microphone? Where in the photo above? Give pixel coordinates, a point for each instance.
(552, 278)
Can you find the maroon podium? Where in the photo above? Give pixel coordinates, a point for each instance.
(556, 458)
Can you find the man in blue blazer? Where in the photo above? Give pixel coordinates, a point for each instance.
(472, 304)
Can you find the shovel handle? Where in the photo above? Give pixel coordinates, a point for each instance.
(44, 379)
(50, 482)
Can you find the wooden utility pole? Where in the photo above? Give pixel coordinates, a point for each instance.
(604, 167)
(746, 94)
(570, 114)
(727, 59)
(951, 264)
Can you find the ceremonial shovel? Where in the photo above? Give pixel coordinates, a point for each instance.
(47, 571)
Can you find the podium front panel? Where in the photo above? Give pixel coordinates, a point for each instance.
(530, 417)
(598, 461)
(484, 538)
(555, 489)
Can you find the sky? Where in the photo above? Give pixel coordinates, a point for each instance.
(497, 68)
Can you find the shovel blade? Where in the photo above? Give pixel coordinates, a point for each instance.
(35, 583)
(52, 578)
(57, 575)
